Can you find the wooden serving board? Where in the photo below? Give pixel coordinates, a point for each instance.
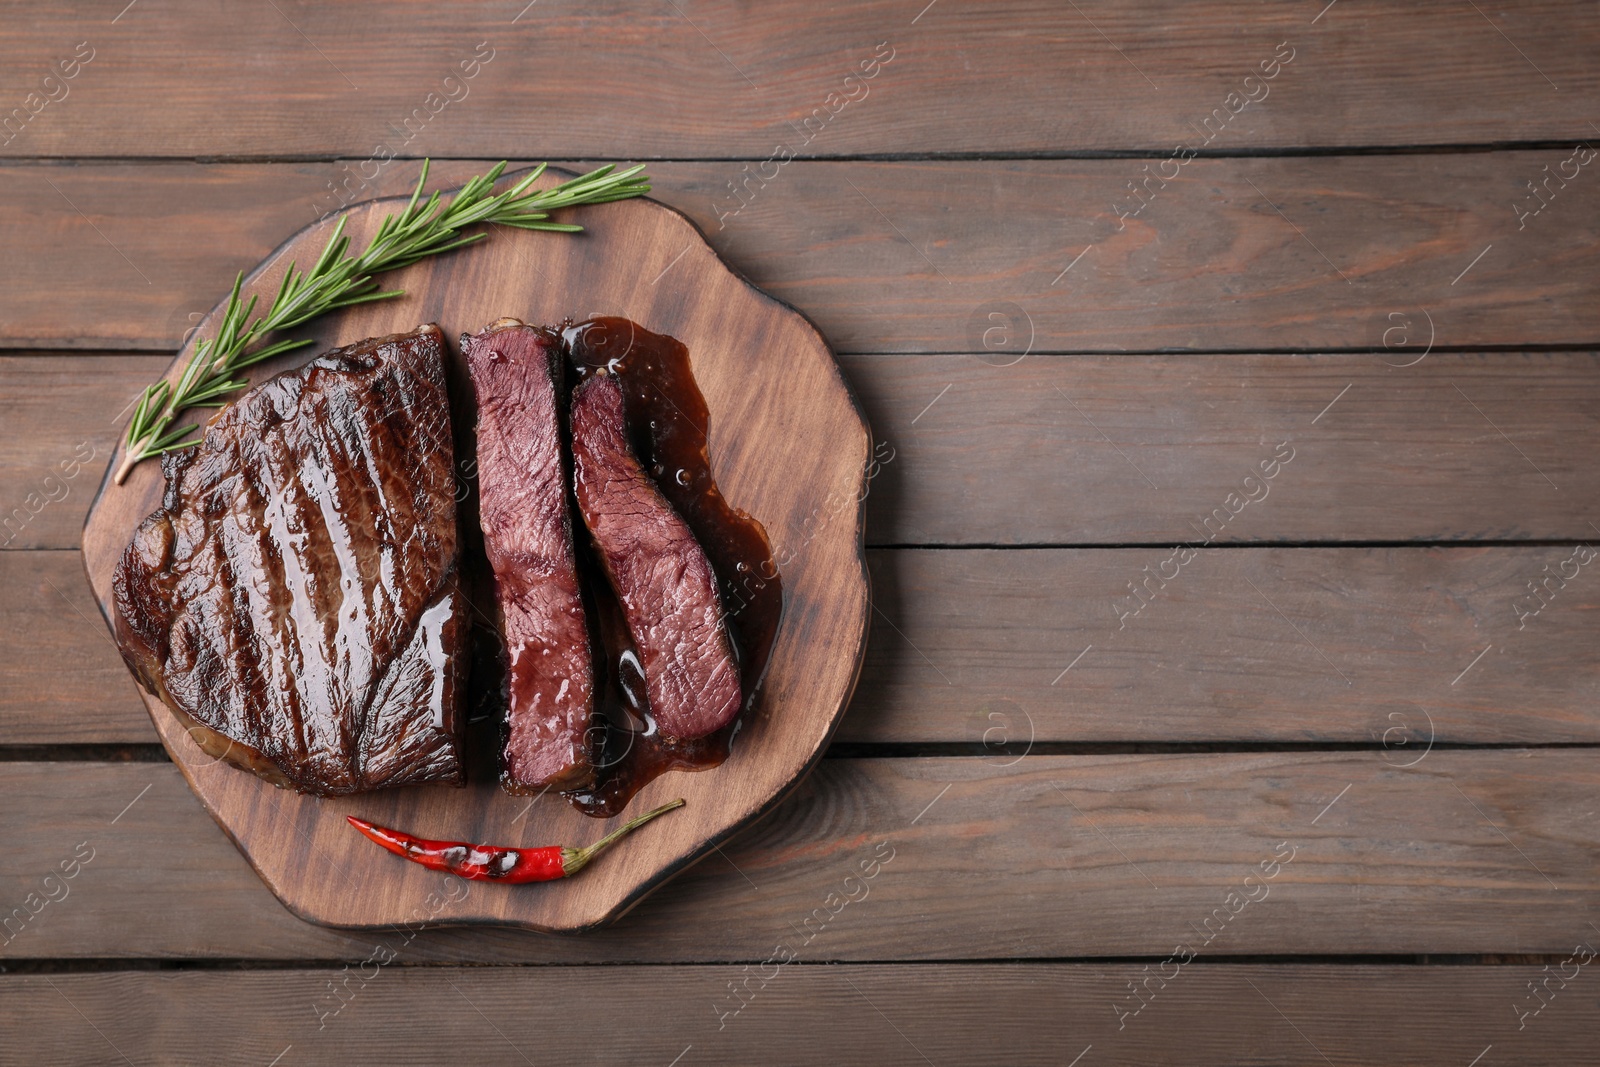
(788, 445)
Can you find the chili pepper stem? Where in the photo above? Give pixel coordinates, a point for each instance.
(574, 860)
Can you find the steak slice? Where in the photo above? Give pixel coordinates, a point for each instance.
(295, 598)
(660, 573)
(527, 535)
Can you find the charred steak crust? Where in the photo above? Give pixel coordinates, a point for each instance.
(294, 600)
(527, 536)
(660, 573)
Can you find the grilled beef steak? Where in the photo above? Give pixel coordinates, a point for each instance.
(659, 571)
(294, 600)
(527, 535)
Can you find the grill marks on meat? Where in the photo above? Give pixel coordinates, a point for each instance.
(527, 535)
(660, 573)
(295, 598)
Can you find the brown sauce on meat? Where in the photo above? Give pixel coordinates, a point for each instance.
(667, 419)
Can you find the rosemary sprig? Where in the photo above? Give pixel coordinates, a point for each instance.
(425, 228)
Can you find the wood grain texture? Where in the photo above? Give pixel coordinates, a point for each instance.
(1288, 645)
(62, 420)
(1120, 449)
(1050, 857)
(1056, 450)
(1040, 1014)
(723, 78)
(62, 680)
(972, 647)
(1233, 254)
(786, 442)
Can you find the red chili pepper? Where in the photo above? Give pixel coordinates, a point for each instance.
(492, 863)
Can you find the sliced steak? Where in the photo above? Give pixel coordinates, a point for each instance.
(294, 600)
(660, 573)
(527, 535)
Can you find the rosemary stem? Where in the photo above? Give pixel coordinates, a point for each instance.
(129, 458)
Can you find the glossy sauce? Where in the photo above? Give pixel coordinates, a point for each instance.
(666, 420)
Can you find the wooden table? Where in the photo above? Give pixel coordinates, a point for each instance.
(1232, 690)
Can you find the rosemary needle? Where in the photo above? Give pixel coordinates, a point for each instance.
(425, 228)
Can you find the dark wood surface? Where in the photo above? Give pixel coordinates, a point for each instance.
(1046, 857)
(727, 79)
(1235, 254)
(1039, 1014)
(1352, 671)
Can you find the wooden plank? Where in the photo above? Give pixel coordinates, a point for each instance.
(1231, 254)
(62, 680)
(1078, 450)
(849, 1014)
(974, 647)
(1158, 450)
(62, 419)
(1051, 857)
(723, 78)
(1014, 648)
